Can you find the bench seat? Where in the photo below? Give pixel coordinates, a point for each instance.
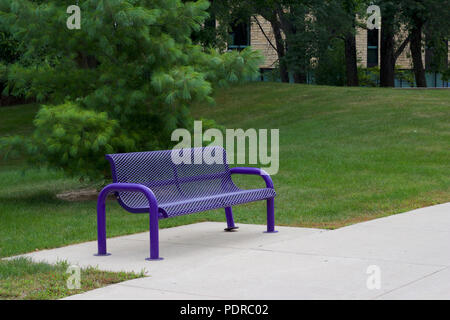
(186, 205)
(156, 183)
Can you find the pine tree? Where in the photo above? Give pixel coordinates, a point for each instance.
(121, 83)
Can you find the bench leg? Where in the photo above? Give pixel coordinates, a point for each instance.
(270, 216)
(101, 228)
(230, 221)
(154, 236)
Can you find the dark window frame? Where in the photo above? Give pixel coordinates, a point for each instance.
(372, 48)
(247, 26)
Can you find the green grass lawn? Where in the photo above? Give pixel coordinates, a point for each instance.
(346, 155)
(22, 280)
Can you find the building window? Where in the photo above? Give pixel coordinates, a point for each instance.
(240, 36)
(372, 48)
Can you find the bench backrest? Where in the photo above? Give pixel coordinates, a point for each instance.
(171, 181)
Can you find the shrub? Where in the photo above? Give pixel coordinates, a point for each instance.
(126, 78)
(73, 139)
(369, 77)
(331, 67)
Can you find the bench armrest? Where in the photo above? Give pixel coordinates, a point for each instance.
(255, 171)
(133, 187)
(153, 215)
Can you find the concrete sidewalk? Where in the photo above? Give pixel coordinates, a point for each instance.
(411, 251)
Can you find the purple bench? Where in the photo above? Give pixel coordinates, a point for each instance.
(151, 182)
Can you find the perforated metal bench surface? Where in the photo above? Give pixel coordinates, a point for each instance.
(159, 183)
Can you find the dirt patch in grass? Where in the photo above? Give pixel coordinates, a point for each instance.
(82, 195)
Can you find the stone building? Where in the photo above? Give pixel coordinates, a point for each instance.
(367, 43)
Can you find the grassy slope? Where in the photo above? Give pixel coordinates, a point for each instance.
(346, 155)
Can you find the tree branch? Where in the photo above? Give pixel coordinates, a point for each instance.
(265, 35)
(402, 47)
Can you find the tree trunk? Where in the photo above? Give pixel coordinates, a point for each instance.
(351, 61)
(289, 29)
(281, 52)
(429, 51)
(416, 53)
(299, 77)
(387, 59)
